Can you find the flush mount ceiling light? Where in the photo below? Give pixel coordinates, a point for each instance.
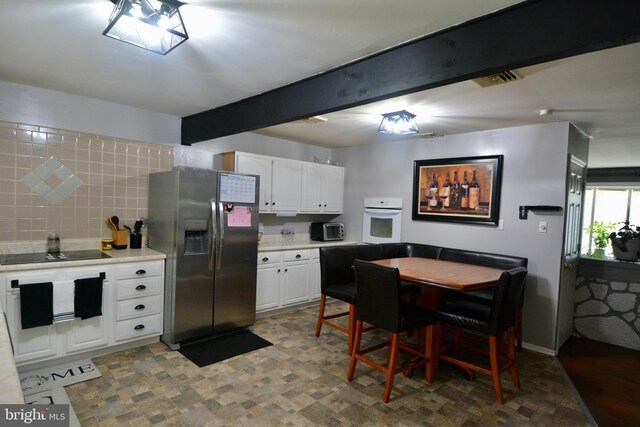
(154, 25)
(398, 123)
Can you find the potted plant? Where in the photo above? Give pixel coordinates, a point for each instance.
(626, 242)
(600, 232)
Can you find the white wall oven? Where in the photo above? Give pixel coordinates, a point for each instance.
(382, 220)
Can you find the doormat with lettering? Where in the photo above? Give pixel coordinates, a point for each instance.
(56, 396)
(57, 376)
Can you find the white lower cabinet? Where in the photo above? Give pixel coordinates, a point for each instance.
(29, 344)
(139, 288)
(268, 280)
(94, 332)
(131, 309)
(295, 280)
(286, 278)
(34, 343)
(314, 275)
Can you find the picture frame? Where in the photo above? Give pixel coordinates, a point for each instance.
(475, 201)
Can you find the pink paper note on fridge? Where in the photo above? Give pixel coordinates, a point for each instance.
(240, 217)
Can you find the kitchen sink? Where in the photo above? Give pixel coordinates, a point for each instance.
(31, 258)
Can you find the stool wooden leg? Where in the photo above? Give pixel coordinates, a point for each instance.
(511, 351)
(519, 329)
(323, 300)
(356, 349)
(391, 367)
(495, 346)
(352, 325)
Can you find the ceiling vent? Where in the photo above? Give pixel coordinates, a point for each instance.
(312, 120)
(498, 79)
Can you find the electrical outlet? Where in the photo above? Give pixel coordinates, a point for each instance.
(542, 227)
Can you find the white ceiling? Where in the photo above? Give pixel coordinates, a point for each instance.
(241, 48)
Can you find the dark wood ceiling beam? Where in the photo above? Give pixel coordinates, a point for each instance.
(528, 33)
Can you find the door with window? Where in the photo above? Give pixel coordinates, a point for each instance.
(571, 251)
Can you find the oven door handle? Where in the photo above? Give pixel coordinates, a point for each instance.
(382, 212)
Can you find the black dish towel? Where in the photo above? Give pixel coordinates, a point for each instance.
(88, 297)
(36, 304)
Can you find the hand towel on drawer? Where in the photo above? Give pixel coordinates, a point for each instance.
(88, 298)
(63, 300)
(36, 304)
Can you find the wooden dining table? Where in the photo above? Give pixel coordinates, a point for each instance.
(457, 276)
(438, 277)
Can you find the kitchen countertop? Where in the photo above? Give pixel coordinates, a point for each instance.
(117, 255)
(300, 244)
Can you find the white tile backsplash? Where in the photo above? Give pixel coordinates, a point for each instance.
(89, 178)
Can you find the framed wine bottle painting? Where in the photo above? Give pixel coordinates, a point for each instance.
(465, 189)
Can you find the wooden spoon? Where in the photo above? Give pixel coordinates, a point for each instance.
(115, 221)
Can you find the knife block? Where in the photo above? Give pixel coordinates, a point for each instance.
(120, 239)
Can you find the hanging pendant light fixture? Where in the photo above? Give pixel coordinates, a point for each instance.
(154, 25)
(398, 123)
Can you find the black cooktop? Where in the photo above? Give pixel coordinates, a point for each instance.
(31, 258)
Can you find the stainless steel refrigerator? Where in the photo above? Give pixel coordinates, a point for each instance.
(206, 222)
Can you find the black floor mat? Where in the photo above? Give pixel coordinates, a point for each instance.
(223, 347)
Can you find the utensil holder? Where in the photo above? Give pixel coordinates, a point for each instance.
(120, 239)
(135, 241)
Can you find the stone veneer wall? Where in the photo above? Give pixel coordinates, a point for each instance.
(96, 176)
(607, 303)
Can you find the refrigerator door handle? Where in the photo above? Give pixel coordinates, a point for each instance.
(221, 231)
(213, 236)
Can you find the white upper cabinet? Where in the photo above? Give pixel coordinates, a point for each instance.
(261, 166)
(311, 199)
(333, 189)
(285, 185)
(290, 185)
(279, 181)
(322, 188)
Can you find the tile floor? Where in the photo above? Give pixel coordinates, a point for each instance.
(301, 381)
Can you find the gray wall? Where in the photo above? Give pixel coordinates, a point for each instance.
(49, 108)
(534, 173)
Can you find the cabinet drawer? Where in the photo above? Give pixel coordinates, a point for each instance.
(139, 269)
(269, 257)
(297, 255)
(138, 307)
(134, 328)
(134, 288)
